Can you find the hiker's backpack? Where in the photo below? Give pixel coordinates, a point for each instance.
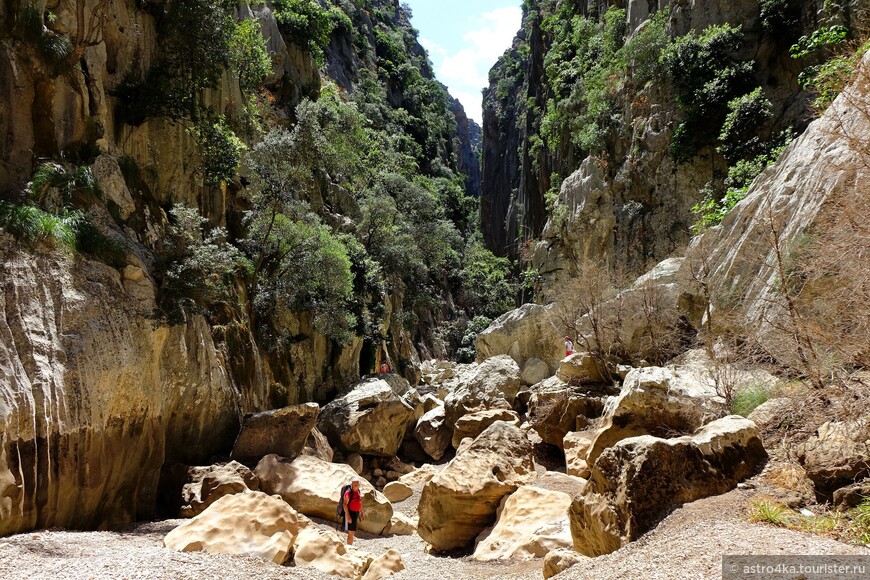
(339, 509)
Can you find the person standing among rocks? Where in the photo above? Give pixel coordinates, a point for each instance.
(353, 511)
(569, 346)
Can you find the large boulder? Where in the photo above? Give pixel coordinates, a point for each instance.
(317, 446)
(385, 565)
(474, 424)
(493, 384)
(371, 419)
(534, 371)
(461, 501)
(531, 523)
(401, 525)
(525, 333)
(250, 524)
(433, 433)
(637, 481)
(206, 485)
(556, 408)
(582, 368)
(838, 454)
(313, 487)
(396, 491)
(660, 402)
(577, 445)
(852, 495)
(283, 432)
(326, 551)
(559, 560)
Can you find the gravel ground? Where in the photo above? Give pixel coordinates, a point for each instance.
(687, 544)
(690, 542)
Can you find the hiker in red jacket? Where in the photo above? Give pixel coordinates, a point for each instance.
(353, 511)
(569, 346)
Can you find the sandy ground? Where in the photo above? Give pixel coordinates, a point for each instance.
(687, 544)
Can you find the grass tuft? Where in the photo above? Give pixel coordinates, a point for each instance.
(30, 224)
(748, 399)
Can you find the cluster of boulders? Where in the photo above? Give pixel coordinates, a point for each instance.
(466, 446)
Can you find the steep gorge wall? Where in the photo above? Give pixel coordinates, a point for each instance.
(95, 397)
(629, 205)
(97, 389)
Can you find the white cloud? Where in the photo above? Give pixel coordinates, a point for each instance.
(466, 71)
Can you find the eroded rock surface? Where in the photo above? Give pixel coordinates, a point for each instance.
(250, 524)
(460, 501)
(283, 432)
(637, 481)
(209, 484)
(371, 419)
(313, 487)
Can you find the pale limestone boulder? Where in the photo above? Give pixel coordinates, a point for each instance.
(525, 333)
(419, 476)
(559, 560)
(556, 408)
(658, 401)
(534, 371)
(355, 462)
(326, 551)
(317, 446)
(371, 419)
(531, 522)
(581, 368)
(396, 491)
(577, 445)
(464, 445)
(493, 384)
(461, 500)
(430, 402)
(206, 485)
(474, 424)
(638, 480)
(385, 565)
(283, 432)
(433, 433)
(401, 525)
(838, 454)
(313, 487)
(249, 524)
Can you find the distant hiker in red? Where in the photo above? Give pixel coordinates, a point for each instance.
(385, 368)
(569, 346)
(353, 511)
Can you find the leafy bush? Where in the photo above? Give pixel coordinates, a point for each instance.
(486, 281)
(73, 183)
(644, 49)
(197, 265)
(467, 351)
(706, 78)
(306, 24)
(780, 17)
(55, 49)
(221, 151)
(740, 136)
(249, 56)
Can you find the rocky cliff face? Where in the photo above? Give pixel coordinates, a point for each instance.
(95, 397)
(97, 391)
(624, 200)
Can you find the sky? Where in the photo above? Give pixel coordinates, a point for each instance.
(464, 39)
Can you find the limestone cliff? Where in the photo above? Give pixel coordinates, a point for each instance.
(624, 198)
(95, 397)
(98, 388)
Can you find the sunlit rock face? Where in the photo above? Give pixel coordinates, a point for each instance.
(95, 396)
